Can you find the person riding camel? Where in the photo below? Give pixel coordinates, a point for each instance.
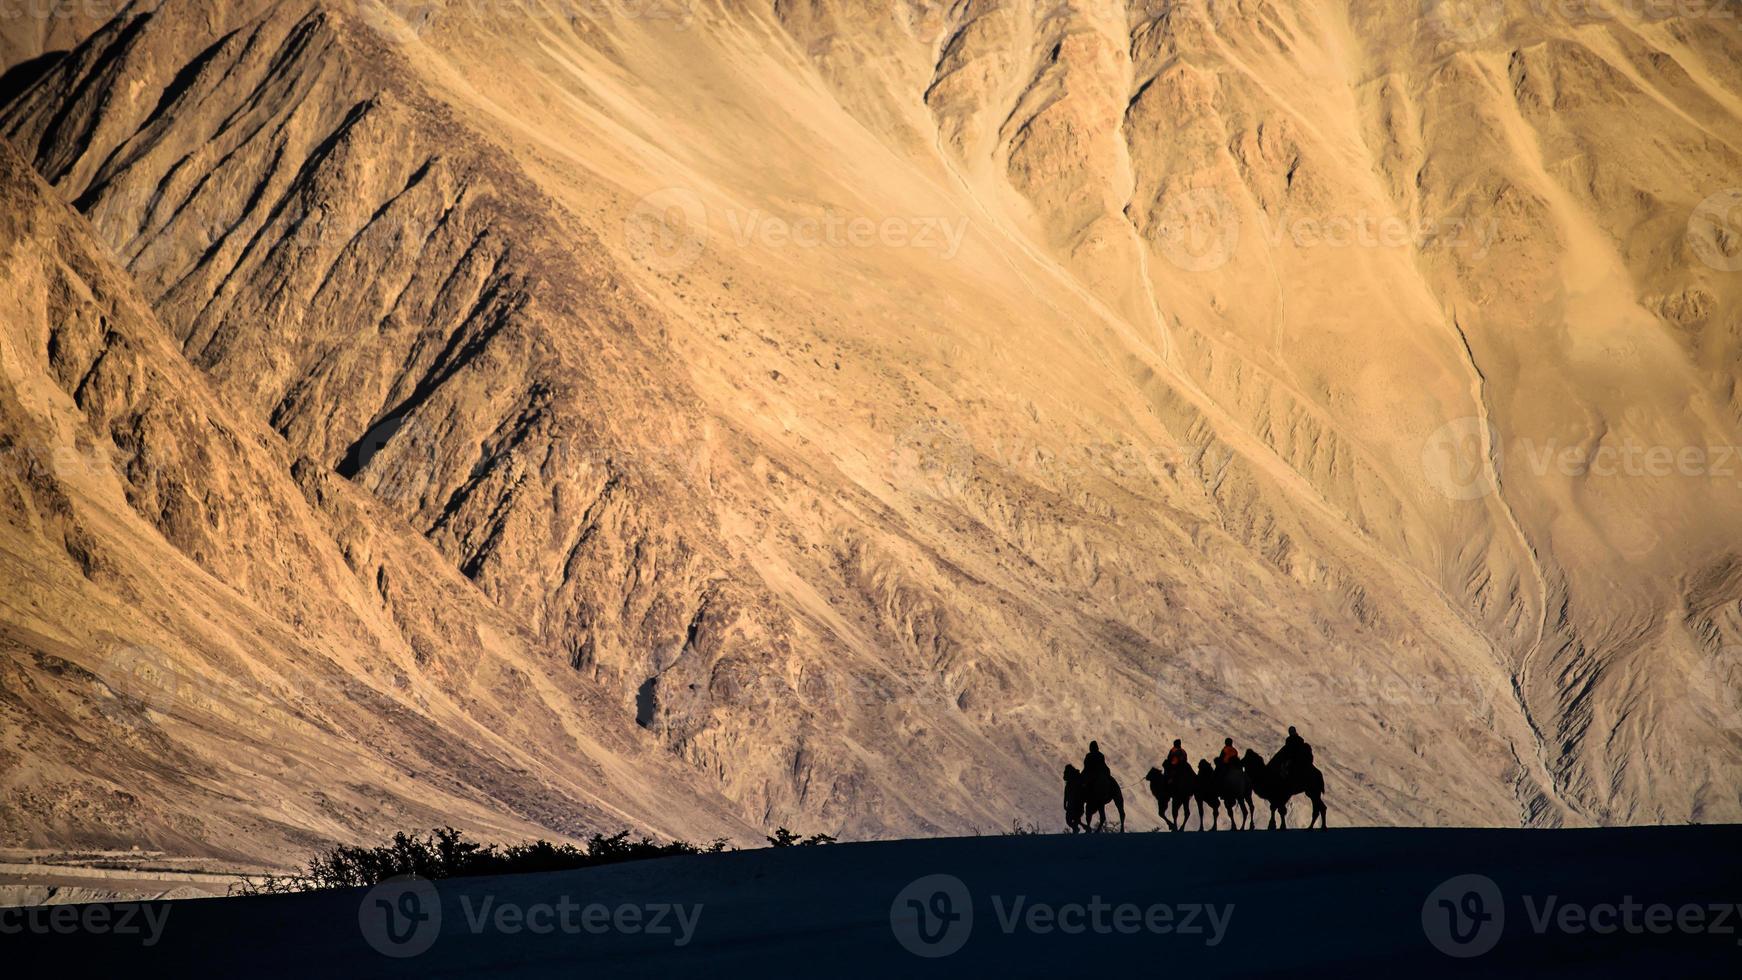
(1095, 763)
(1230, 754)
(1176, 756)
(1295, 752)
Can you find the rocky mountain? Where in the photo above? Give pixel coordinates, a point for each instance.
(221, 648)
(714, 413)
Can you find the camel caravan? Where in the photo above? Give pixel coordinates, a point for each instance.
(1231, 782)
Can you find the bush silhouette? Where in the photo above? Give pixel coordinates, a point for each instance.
(446, 853)
(786, 838)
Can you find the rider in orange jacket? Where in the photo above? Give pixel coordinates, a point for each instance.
(1176, 756)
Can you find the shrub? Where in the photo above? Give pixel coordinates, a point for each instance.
(786, 838)
(446, 853)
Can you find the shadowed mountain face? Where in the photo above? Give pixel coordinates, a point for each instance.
(850, 409)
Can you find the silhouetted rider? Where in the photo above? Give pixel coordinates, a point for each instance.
(1095, 763)
(1176, 756)
(1230, 754)
(1295, 752)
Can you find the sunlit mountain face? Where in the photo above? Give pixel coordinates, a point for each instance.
(700, 415)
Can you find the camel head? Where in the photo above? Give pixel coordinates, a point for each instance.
(1154, 775)
(1071, 773)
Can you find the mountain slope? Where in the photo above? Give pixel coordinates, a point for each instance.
(214, 647)
(881, 403)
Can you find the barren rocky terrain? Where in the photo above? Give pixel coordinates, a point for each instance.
(704, 414)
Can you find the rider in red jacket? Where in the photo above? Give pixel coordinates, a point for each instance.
(1176, 756)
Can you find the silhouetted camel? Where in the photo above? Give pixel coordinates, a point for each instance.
(1205, 789)
(1235, 789)
(1276, 789)
(1086, 798)
(1173, 788)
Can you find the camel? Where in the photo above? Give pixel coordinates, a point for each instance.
(1174, 787)
(1276, 784)
(1208, 794)
(1235, 789)
(1087, 797)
